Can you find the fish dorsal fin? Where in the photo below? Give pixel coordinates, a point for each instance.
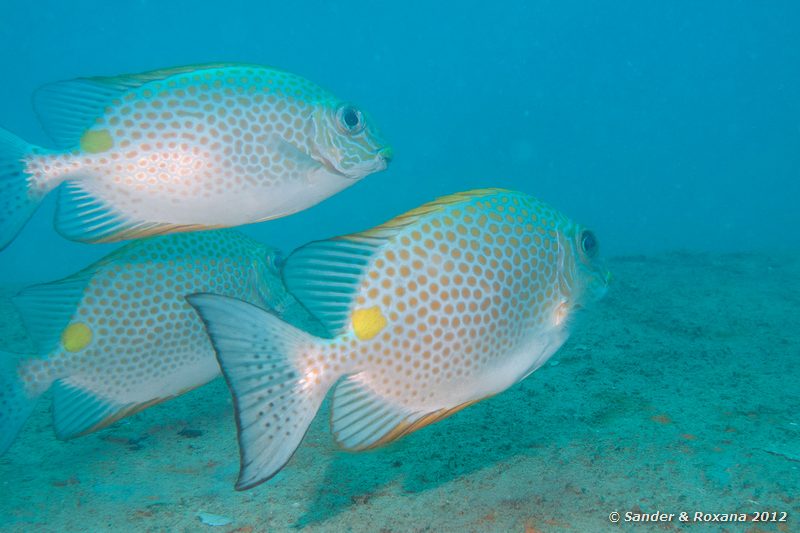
(410, 217)
(362, 420)
(67, 109)
(325, 275)
(132, 81)
(47, 309)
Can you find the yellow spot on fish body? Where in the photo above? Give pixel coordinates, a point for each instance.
(76, 337)
(95, 142)
(367, 323)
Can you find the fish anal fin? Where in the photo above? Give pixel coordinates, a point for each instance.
(132, 409)
(410, 426)
(119, 415)
(78, 411)
(362, 420)
(157, 229)
(80, 216)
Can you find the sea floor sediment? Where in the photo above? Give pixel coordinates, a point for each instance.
(676, 393)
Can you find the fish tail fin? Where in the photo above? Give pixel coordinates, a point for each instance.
(17, 202)
(16, 400)
(274, 397)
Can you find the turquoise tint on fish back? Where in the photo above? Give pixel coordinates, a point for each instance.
(445, 305)
(171, 150)
(119, 336)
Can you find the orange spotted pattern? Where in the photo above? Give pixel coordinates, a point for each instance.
(147, 343)
(180, 149)
(474, 294)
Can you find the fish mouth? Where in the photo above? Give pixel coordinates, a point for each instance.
(385, 156)
(381, 161)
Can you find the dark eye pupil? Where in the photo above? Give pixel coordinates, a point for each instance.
(589, 242)
(350, 117)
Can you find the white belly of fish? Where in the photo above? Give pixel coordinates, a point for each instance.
(194, 188)
(529, 355)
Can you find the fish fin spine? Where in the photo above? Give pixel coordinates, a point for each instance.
(78, 411)
(47, 309)
(69, 109)
(325, 277)
(363, 420)
(275, 399)
(84, 217)
(390, 227)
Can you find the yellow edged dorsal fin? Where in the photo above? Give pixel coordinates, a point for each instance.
(67, 109)
(412, 216)
(325, 275)
(47, 309)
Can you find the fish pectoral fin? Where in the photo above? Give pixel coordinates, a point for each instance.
(78, 411)
(80, 216)
(275, 401)
(292, 155)
(362, 420)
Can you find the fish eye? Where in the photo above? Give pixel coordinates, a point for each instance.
(349, 119)
(589, 244)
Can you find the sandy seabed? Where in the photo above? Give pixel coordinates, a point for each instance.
(680, 392)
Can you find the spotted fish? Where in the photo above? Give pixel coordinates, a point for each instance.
(172, 150)
(435, 310)
(119, 336)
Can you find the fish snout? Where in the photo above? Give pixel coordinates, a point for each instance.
(601, 288)
(385, 155)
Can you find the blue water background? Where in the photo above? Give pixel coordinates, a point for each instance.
(661, 124)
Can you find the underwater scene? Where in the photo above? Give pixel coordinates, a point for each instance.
(399, 266)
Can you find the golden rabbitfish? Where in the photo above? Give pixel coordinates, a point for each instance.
(439, 308)
(172, 150)
(119, 336)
